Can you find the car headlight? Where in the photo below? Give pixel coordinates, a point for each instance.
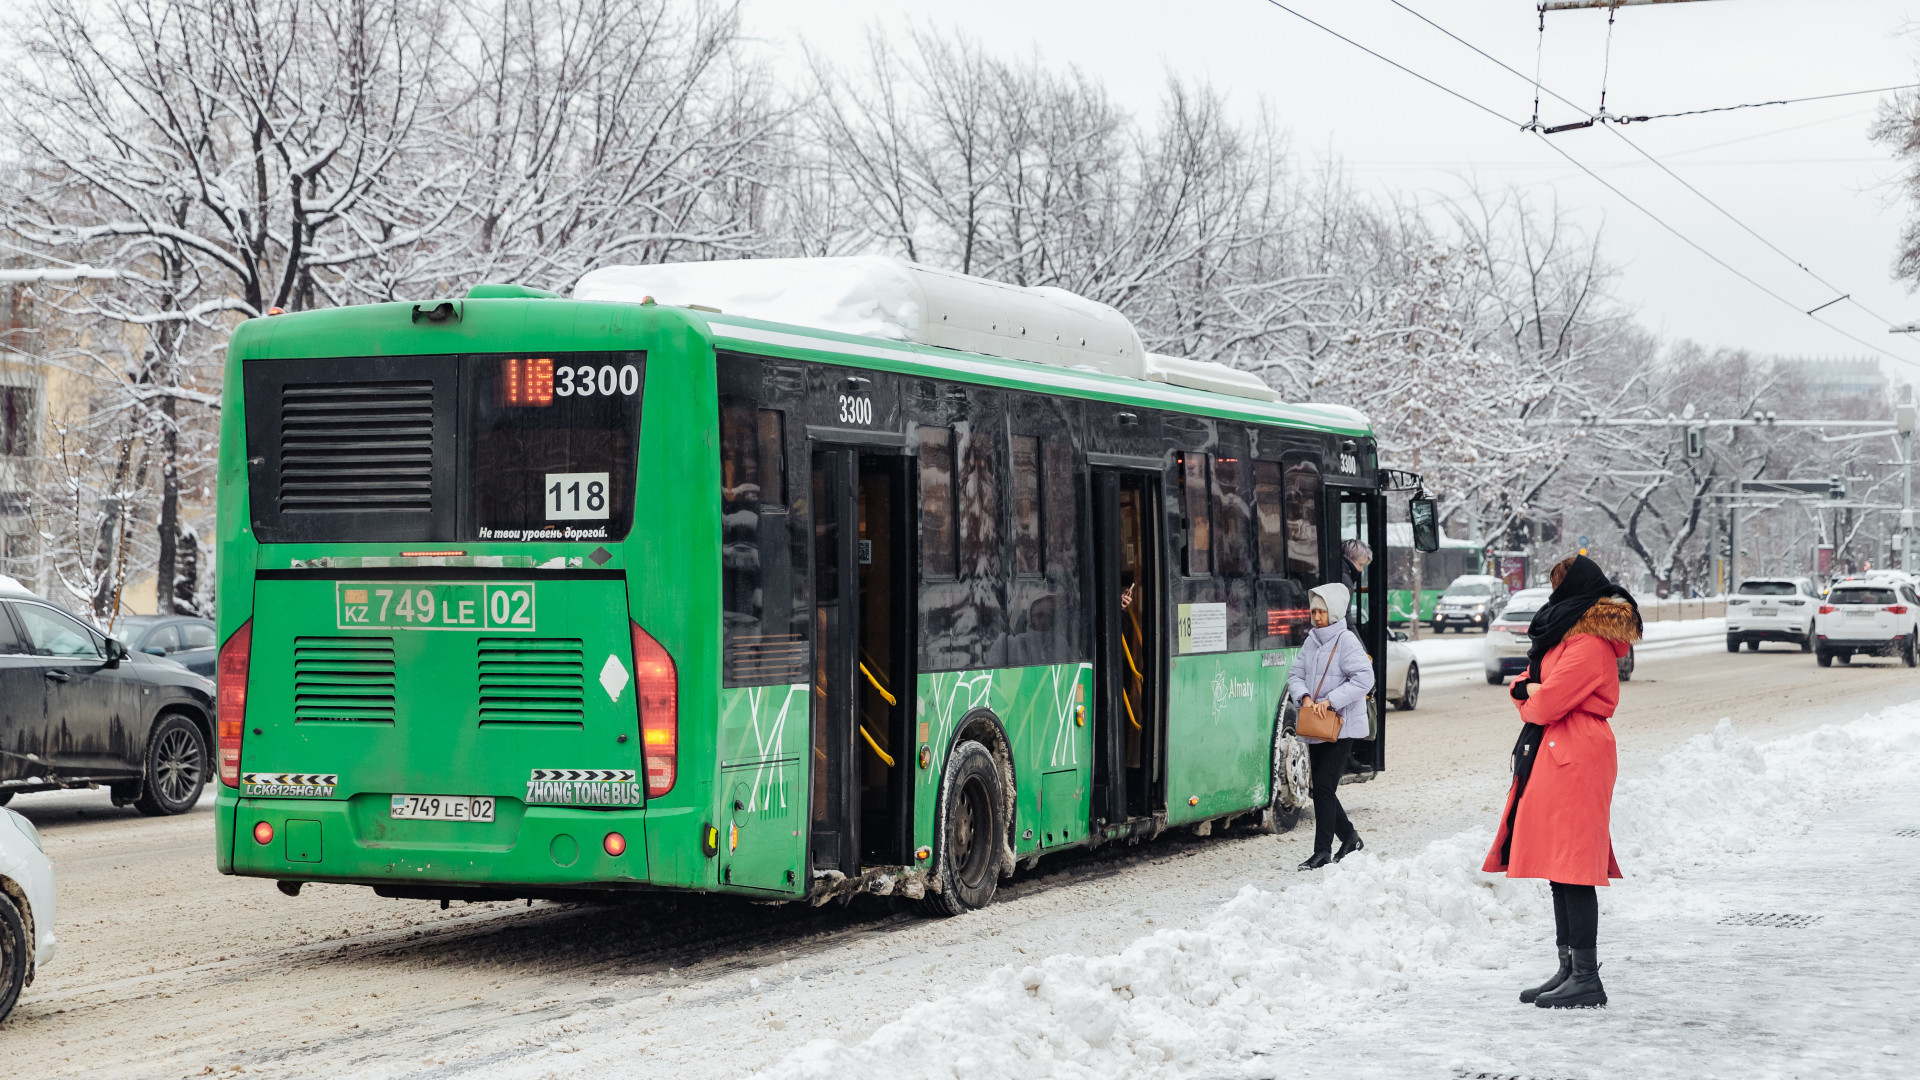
(1478, 608)
(26, 829)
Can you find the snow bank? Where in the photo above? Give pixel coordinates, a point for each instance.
(1270, 963)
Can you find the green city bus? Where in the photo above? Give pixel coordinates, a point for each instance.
(524, 596)
(1438, 568)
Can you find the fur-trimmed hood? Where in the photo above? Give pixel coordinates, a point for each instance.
(1609, 619)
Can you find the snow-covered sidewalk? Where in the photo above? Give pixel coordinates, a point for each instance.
(1797, 961)
(1410, 966)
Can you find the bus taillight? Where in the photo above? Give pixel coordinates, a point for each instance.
(659, 698)
(232, 709)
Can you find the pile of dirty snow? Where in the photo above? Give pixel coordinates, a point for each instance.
(1271, 964)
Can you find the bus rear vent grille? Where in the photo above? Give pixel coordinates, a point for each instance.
(532, 681)
(343, 678)
(354, 448)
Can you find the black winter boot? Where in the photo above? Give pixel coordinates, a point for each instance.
(1315, 861)
(1582, 990)
(1348, 847)
(1566, 968)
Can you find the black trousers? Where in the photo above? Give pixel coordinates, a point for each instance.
(1329, 762)
(1576, 915)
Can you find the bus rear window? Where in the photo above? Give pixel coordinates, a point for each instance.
(553, 445)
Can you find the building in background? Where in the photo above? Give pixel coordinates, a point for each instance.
(23, 418)
(1839, 378)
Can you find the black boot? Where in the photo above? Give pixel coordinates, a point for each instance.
(1314, 862)
(1582, 990)
(1566, 968)
(1348, 847)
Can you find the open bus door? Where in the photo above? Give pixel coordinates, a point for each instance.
(1129, 770)
(862, 671)
(1363, 517)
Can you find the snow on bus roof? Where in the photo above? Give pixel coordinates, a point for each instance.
(895, 300)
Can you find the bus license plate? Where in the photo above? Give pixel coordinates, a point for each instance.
(442, 808)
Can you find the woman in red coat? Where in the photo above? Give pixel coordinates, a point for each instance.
(1556, 820)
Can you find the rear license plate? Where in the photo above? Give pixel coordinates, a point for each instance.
(1766, 612)
(442, 808)
(1861, 614)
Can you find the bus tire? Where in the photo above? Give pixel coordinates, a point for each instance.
(1292, 776)
(16, 954)
(968, 834)
(176, 768)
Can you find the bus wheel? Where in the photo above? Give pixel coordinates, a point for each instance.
(1292, 776)
(176, 767)
(971, 829)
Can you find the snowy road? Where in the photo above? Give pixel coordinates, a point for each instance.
(168, 969)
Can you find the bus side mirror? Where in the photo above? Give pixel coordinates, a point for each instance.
(1426, 523)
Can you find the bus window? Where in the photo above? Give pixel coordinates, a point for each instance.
(979, 483)
(1197, 556)
(1272, 548)
(936, 502)
(772, 430)
(1303, 520)
(1026, 504)
(1230, 515)
(1057, 492)
(765, 633)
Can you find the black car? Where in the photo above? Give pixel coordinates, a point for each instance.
(183, 639)
(79, 709)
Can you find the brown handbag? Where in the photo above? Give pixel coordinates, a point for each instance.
(1316, 719)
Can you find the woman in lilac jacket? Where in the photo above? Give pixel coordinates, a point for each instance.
(1333, 667)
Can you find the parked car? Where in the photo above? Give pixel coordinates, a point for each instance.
(1862, 616)
(1505, 650)
(183, 639)
(78, 709)
(1771, 609)
(1403, 672)
(26, 907)
(1472, 600)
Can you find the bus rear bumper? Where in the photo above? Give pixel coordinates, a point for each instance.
(542, 847)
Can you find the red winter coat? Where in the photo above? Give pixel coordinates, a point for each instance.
(1561, 830)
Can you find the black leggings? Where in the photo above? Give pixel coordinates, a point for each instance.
(1329, 762)
(1576, 915)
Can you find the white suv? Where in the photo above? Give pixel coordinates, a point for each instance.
(1880, 618)
(1771, 609)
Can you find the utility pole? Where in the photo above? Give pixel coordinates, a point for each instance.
(1733, 537)
(1903, 421)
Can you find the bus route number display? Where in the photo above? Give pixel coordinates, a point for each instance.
(577, 496)
(434, 605)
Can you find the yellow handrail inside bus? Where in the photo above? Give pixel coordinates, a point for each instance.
(1127, 700)
(891, 700)
(1128, 649)
(884, 756)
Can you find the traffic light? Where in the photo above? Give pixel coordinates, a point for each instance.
(1696, 442)
(1836, 488)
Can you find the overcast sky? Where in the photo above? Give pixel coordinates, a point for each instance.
(1805, 177)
